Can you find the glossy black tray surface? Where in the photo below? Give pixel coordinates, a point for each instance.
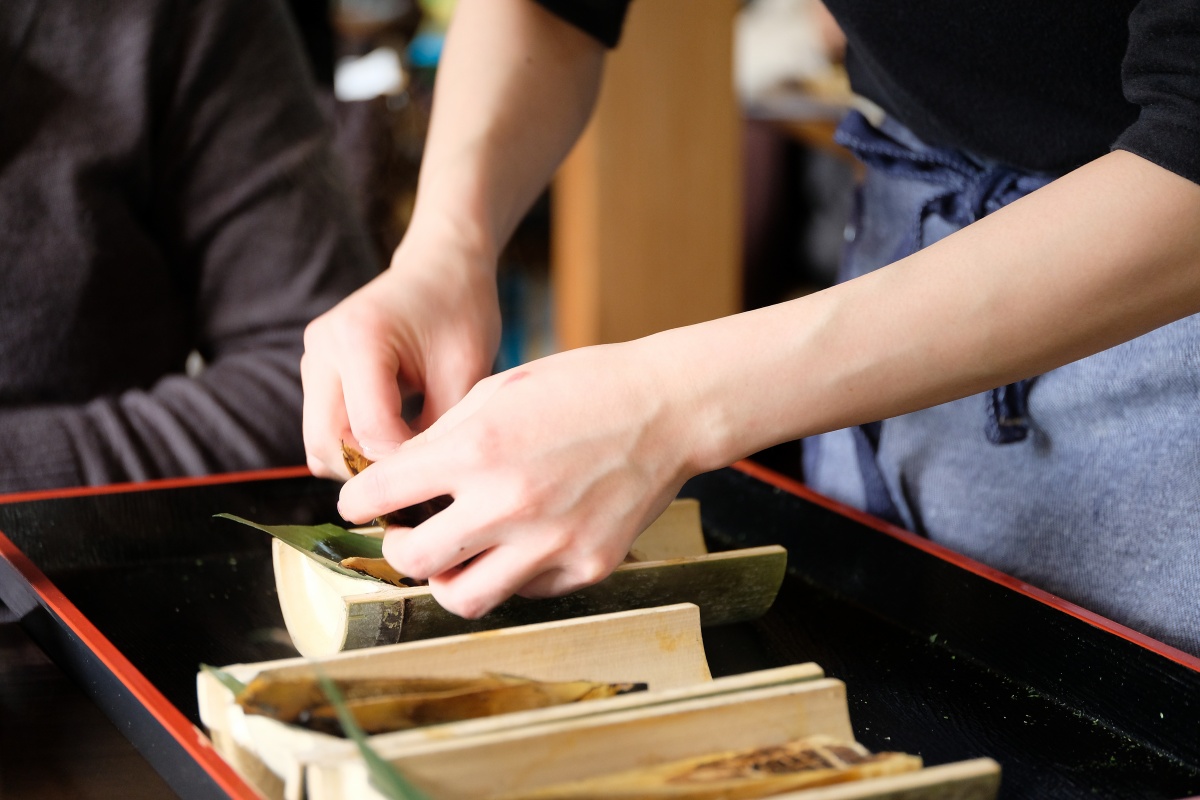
(940, 657)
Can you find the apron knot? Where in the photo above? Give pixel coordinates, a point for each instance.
(966, 190)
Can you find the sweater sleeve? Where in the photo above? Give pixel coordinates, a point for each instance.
(1161, 74)
(601, 19)
(257, 235)
(241, 413)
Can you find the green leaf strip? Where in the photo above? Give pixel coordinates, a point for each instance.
(228, 681)
(326, 544)
(386, 779)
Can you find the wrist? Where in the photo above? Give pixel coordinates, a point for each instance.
(457, 237)
(689, 413)
(454, 210)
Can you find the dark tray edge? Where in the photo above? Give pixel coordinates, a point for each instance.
(184, 757)
(791, 486)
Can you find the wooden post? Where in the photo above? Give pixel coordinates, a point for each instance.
(646, 209)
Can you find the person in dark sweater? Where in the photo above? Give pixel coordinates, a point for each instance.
(1018, 303)
(167, 188)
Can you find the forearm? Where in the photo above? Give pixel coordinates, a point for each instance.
(1098, 257)
(514, 89)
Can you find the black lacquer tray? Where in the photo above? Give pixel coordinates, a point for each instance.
(129, 588)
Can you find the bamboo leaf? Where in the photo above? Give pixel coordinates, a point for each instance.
(384, 777)
(228, 681)
(326, 544)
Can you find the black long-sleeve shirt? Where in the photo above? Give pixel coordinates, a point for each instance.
(166, 185)
(1044, 86)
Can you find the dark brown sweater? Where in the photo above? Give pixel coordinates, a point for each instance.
(166, 186)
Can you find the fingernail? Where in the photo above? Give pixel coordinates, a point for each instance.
(376, 449)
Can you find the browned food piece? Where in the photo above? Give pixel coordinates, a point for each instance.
(380, 569)
(390, 704)
(409, 517)
(355, 461)
(739, 775)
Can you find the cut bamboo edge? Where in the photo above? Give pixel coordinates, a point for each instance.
(512, 762)
(326, 612)
(683, 713)
(662, 647)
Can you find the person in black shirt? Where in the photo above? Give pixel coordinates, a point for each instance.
(1030, 209)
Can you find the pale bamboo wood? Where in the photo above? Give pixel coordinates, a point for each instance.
(527, 758)
(276, 754)
(977, 779)
(272, 756)
(658, 646)
(677, 533)
(312, 600)
(326, 612)
(647, 207)
(320, 622)
(400, 742)
(661, 647)
(286, 784)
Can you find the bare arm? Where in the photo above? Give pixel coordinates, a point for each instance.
(556, 466)
(515, 88)
(1104, 254)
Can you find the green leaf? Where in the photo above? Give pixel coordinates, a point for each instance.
(326, 544)
(384, 777)
(228, 681)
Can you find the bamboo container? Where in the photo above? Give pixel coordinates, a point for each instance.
(661, 647)
(515, 760)
(326, 612)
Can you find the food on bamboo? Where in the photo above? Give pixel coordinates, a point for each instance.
(338, 549)
(740, 775)
(355, 461)
(409, 517)
(380, 569)
(391, 704)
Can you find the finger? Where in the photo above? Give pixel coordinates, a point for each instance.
(324, 422)
(551, 583)
(475, 399)
(582, 570)
(490, 579)
(369, 371)
(442, 542)
(418, 472)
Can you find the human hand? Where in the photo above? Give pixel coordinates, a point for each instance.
(555, 467)
(430, 324)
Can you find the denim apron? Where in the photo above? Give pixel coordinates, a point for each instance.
(1084, 481)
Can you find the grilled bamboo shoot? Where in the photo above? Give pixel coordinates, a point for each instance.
(393, 704)
(741, 775)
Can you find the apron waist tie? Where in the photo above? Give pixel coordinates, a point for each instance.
(969, 190)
